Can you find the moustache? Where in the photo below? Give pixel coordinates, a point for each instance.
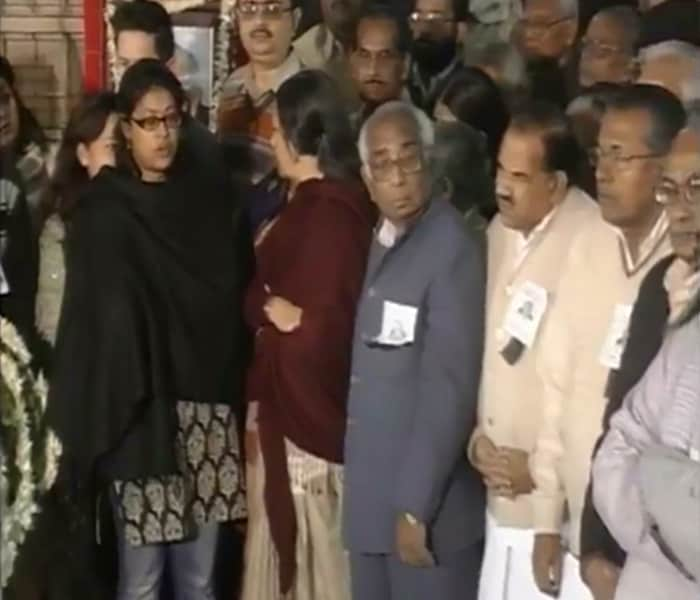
(261, 30)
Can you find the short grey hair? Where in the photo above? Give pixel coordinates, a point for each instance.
(583, 104)
(424, 126)
(690, 90)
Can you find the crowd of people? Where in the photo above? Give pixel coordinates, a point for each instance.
(420, 318)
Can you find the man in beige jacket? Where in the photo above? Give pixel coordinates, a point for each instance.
(587, 328)
(540, 213)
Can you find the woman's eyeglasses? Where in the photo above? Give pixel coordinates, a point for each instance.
(171, 121)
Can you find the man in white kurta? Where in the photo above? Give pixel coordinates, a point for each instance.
(540, 213)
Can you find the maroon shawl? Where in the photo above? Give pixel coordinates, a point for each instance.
(315, 257)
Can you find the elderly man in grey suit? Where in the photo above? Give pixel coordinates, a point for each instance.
(413, 506)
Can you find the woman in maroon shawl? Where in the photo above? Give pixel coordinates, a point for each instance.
(310, 269)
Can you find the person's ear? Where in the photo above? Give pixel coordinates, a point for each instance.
(560, 183)
(366, 177)
(126, 130)
(296, 19)
(170, 63)
(81, 152)
(570, 31)
(632, 70)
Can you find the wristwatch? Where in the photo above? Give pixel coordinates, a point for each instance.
(411, 519)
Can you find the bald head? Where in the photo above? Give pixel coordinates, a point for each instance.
(686, 142)
(608, 49)
(672, 65)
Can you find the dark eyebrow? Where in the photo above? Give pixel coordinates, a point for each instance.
(165, 111)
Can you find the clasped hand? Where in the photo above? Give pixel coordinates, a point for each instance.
(285, 316)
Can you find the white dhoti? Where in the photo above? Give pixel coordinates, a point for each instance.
(506, 573)
(572, 586)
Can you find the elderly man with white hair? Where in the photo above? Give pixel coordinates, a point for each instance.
(413, 514)
(546, 35)
(673, 65)
(647, 471)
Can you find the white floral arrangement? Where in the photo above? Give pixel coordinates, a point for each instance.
(29, 451)
(222, 56)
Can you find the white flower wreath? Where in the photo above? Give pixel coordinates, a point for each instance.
(22, 396)
(222, 57)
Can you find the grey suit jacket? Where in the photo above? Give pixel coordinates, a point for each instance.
(411, 408)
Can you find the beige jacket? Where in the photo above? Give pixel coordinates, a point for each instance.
(594, 282)
(52, 276)
(511, 395)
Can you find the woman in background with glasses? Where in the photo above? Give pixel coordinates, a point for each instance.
(301, 305)
(149, 353)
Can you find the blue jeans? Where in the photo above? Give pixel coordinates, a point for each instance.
(191, 564)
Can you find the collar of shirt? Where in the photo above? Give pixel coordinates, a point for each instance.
(647, 246)
(290, 67)
(388, 234)
(682, 284)
(525, 243)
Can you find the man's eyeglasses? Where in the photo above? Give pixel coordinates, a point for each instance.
(408, 164)
(171, 121)
(615, 157)
(669, 192)
(270, 10)
(599, 50)
(541, 27)
(429, 18)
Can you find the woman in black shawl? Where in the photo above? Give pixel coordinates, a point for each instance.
(150, 348)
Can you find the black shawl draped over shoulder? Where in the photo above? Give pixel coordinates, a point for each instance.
(151, 315)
